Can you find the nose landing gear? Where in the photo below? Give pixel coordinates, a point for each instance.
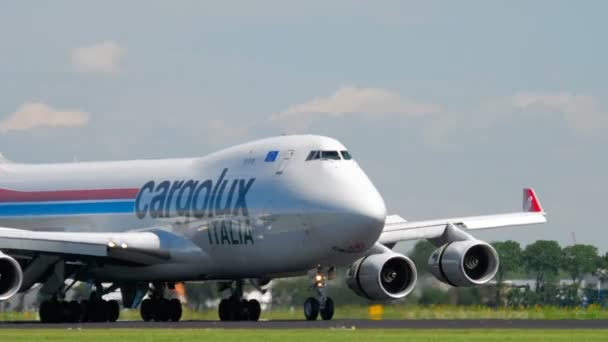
(237, 308)
(321, 304)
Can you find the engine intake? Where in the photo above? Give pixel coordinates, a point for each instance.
(384, 276)
(464, 263)
(11, 276)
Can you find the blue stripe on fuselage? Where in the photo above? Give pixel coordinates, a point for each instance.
(66, 208)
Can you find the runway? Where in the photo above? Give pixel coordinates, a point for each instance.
(335, 324)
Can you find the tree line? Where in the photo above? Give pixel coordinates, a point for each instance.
(544, 261)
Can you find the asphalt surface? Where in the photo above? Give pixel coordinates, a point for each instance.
(335, 324)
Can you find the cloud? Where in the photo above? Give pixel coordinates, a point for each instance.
(349, 100)
(582, 112)
(31, 115)
(101, 58)
(583, 115)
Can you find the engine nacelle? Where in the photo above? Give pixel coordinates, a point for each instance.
(464, 263)
(11, 276)
(384, 276)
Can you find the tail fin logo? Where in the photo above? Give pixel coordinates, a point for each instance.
(528, 204)
(531, 203)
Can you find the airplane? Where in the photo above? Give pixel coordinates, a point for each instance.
(273, 208)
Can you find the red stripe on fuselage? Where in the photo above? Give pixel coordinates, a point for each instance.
(66, 195)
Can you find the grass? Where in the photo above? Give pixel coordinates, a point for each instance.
(397, 311)
(300, 335)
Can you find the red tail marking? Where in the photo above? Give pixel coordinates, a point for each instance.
(531, 203)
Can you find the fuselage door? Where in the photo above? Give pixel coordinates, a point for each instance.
(283, 164)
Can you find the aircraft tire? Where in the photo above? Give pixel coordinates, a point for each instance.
(63, 311)
(54, 312)
(234, 310)
(84, 312)
(146, 310)
(175, 307)
(242, 310)
(224, 310)
(103, 308)
(73, 309)
(93, 311)
(239, 310)
(162, 310)
(113, 310)
(45, 311)
(253, 310)
(327, 312)
(311, 309)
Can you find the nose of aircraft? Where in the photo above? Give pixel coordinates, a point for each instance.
(364, 203)
(366, 211)
(359, 210)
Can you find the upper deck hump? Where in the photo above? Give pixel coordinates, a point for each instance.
(98, 172)
(285, 142)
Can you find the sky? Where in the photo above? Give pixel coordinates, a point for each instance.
(451, 107)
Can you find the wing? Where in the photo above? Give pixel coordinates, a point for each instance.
(44, 255)
(136, 247)
(397, 229)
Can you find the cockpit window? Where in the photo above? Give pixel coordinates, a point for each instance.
(328, 155)
(313, 155)
(332, 155)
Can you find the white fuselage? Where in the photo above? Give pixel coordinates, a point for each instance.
(255, 210)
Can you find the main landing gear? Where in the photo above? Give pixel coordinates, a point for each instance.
(160, 309)
(237, 308)
(93, 310)
(321, 304)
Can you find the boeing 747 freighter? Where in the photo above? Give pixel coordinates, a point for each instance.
(273, 208)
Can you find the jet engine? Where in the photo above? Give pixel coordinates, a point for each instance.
(11, 276)
(384, 276)
(464, 263)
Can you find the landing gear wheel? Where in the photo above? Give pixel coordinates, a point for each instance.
(253, 310)
(74, 312)
(103, 311)
(54, 312)
(175, 308)
(93, 311)
(242, 310)
(224, 310)
(146, 310)
(327, 312)
(84, 311)
(311, 309)
(237, 308)
(161, 310)
(234, 310)
(63, 311)
(45, 311)
(113, 310)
